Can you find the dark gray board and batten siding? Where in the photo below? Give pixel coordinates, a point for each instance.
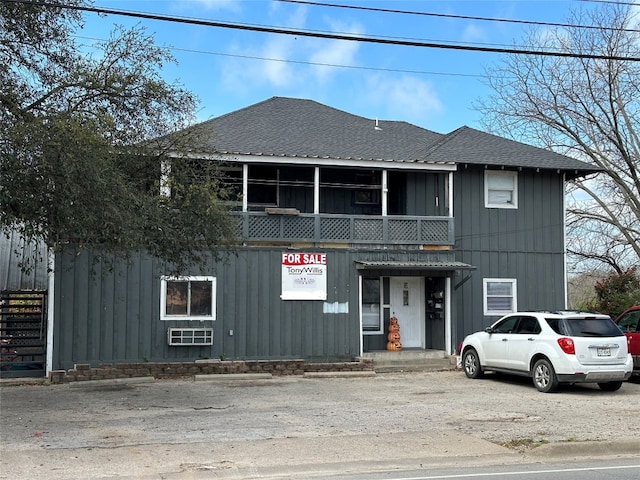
(115, 316)
(526, 243)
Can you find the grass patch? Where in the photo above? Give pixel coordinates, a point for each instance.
(523, 443)
(575, 440)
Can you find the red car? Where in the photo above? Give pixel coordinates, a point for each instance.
(629, 323)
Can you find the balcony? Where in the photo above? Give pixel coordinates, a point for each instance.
(340, 229)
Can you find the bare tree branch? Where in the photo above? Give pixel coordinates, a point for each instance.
(589, 109)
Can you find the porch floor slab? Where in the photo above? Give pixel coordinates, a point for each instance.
(411, 360)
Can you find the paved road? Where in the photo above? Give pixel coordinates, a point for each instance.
(601, 469)
(281, 427)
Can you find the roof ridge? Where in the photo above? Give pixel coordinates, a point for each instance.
(443, 140)
(233, 112)
(318, 104)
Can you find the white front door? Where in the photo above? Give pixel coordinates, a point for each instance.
(407, 305)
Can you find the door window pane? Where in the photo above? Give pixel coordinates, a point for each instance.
(371, 319)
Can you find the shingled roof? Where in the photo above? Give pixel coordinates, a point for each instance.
(290, 127)
(470, 146)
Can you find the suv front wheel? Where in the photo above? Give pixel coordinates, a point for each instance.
(544, 376)
(471, 364)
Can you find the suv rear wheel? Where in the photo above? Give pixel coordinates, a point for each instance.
(544, 376)
(610, 386)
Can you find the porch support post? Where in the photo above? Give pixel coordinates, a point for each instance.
(450, 191)
(165, 173)
(245, 187)
(447, 314)
(316, 190)
(385, 191)
(360, 315)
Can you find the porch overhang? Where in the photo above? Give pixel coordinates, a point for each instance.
(442, 266)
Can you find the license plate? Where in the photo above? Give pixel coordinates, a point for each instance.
(604, 352)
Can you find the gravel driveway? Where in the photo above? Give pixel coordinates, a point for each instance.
(503, 410)
(498, 409)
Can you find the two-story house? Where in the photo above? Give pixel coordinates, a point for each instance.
(345, 222)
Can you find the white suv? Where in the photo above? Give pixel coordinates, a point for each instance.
(551, 348)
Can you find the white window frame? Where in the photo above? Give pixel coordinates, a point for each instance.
(163, 298)
(485, 297)
(501, 176)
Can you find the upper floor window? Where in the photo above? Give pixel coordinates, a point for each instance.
(188, 298)
(500, 189)
(499, 296)
(367, 188)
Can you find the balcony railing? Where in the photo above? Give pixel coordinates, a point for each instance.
(360, 229)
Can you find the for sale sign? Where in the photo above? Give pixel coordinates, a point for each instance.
(304, 276)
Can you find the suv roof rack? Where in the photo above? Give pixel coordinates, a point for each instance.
(569, 312)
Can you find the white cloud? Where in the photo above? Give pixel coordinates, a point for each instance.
(274, 72)
(239, 74)
(473, 33)
(216, 5)
(282, 74)
(334, 52)
(408, 98)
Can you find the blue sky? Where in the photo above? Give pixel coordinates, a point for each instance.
(433, 88)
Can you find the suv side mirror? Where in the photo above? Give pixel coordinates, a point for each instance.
(489, 330)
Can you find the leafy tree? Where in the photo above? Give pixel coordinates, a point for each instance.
(580, 288)
(87, 135)
(616, 293)
(587, 108)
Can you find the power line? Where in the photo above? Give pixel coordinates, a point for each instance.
(303, 62)
(630, 4)
(333, 65)
(463, 17)
(330, 36)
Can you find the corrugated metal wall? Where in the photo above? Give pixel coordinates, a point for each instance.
(14, 252)
(526, 243)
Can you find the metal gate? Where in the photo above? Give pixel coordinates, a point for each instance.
(23, 333)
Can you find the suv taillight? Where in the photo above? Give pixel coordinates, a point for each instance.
(567, 346)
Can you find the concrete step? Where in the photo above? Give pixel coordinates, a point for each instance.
(413, 360)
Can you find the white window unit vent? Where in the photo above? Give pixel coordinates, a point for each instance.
(190, 336)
